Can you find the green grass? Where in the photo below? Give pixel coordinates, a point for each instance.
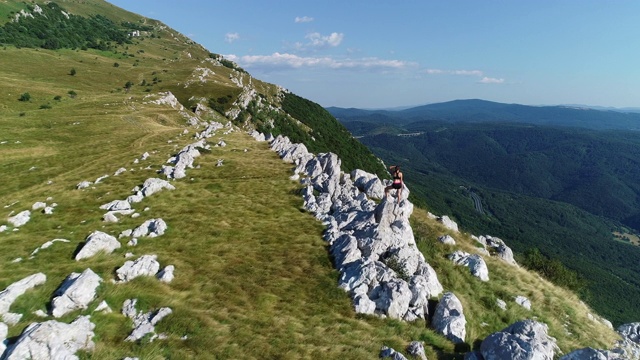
(254, 279)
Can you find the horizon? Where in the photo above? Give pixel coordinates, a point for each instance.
(383, 55)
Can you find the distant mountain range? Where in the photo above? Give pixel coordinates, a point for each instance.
(479, 111)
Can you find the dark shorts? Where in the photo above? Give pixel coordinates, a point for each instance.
(397, 185)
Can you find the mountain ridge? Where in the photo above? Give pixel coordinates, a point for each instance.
(252, 271)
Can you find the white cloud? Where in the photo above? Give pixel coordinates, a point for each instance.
(231, 37)
(278, 61)
(488, 80)
(454, 72)
(316, 40)
(304, 19)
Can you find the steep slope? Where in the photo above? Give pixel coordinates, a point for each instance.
(253, 278)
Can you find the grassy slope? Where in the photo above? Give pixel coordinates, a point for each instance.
(253, 277)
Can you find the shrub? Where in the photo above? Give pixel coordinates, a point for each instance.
(115, 64)
(57, 98)
(72, 72)
(25, 97)
(72, 94)
(45, 106)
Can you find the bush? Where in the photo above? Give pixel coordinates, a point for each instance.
(25, 97)
(72, 94)
(115, 64)
(45, 106)
(57, 98)
(72, 72)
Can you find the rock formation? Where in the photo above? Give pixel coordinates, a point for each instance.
(75, 293)
(96, 242)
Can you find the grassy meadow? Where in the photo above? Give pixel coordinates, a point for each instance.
(254, 279)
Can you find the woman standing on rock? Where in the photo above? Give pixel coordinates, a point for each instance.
(398, 182)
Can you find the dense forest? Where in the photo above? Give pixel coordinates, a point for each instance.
(51, 27)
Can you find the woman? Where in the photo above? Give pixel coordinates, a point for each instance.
(397, 182)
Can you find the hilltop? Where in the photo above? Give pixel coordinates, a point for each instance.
(252, 276)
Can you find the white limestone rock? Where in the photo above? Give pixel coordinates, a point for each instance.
(47, 245)
(523, 301)
(368, 183)
(448, 223)
(387, 352)
(103, 307)
(525, 339)
(38, 205)
(119, 171)
(146, 265)
(153, 185)
(97, 241)
(475, 263)
(592, 354)
(166, 275)
(447, 240)
(416, 349)
(76, 292)
(52, 340)
(13, 291)
(630, 331)
(3, 228)
(20, 219)
(4, 330)
(501, 304)
(143, 323)
(150, 228)
(116, 205)
(83, 185)
(449, 319)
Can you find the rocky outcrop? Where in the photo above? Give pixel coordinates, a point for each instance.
(4, 330)
(150, 228)
(52, 340)
(630, 331)
(449, 319)
(372, 245)
(75, 293)
(387, 352)
(97, 242)
(523, 340)
(183, 160)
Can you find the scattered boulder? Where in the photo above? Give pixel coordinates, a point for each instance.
(75, 293)
(448, 223)
(387, 352)
(13, 291)
(145, 265)
(501, 304)
(153, 185)
(143, 323)
(20, 219)
(116, 205)
(475, 263)
(150, 228)
(522, 340)
(630, 331)
(97, 241)
(38, 205)
(447, 240)
(119, 171)
(523, 301)
(166, 275)
(52, 340)
(449, 319)
(83, 185)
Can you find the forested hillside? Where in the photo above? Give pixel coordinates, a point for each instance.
(562, 190)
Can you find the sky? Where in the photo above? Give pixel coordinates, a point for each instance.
(385, 54)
